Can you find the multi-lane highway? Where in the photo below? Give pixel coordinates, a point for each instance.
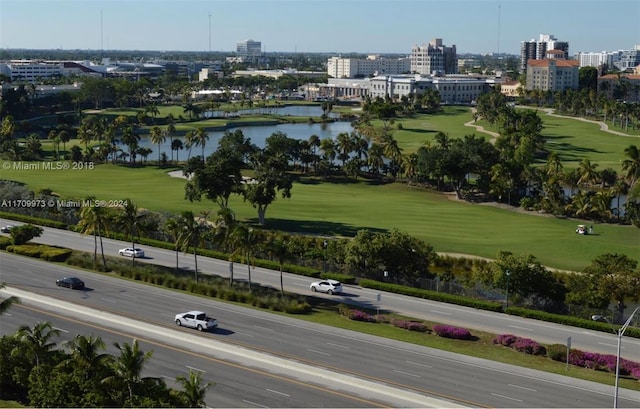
(397, 365)
(544, 332)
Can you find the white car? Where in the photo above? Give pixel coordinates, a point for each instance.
(196, 319)
(131, 252)
(6, 229)
(326, 286)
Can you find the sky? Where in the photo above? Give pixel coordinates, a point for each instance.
(328, 26)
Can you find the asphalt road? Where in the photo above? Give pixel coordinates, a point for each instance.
(234, 386)
(409, 367)
(541, 331)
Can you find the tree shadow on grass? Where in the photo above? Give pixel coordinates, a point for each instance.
(418, 130)
(323, 228)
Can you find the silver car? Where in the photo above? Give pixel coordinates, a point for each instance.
(131, 252)
(327, 286)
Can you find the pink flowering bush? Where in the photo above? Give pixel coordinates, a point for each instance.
(505, 339)
(447, 331)
(358, 315)
(528, 346)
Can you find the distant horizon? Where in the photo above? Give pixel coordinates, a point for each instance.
(315, 26)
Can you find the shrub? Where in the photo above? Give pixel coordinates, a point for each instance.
(409, 325)
(5, 242)
(505, 339)
(55, 254)
(528, 346)
(447, 331)
(557, 352)
(344, 310)
(358, 315)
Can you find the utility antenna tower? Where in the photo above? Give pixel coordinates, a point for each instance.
(101, 35)
(499, 7)
(209, 31)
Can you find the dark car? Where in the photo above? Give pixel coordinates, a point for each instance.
(71, 282)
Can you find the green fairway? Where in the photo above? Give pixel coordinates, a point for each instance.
(342, 209)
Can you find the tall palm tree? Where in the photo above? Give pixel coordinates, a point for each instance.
(127, 367)
(194, 391)
(170, 131)
(94, 220)
(130, 221)
(224, 225)
(631, 165)
(191, 235)
(176, 145)
(278, 247)
(588, 172)
(36, 341)
(7, 302)
(158, 138)
(245, 240)
(201, 137)
(173, 228)
(189, 140)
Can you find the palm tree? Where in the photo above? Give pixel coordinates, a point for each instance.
(189, 140)
(130, 221)
(191, 235)
(224, 225)
(200, 138)
(36, 341)
(127, 367)
(194, 391)
(94, 220)
(588, 172)
(278, 247)
(173, 228)
(176, 145)
(130, 138)
(631, 165)
(170, 131)
(158, 138)
(85, 356)
(7, 302)
(244, 238)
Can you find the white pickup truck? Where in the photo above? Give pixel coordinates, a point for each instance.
(196, 319)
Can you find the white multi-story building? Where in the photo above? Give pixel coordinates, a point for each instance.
(338, 67)
(628, 59)
(34, 71)
(453, 89)
(249, 49)
(434, 58)
(598, 60)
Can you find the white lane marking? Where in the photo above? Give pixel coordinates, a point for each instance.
(440, 312)
(279, 393)
(338, 345)
(318, 352)
(604, 343)
(263, 328)
(61, 330)
(506, 397)
(419, 364)
(254, 404)
(195, 369)
(407, 373)
(522, 387)
(108, 299)
(522, 328)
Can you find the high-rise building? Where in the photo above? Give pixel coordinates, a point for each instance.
(434, 58)
(537, 50)
(338, 67)
(599, 60)
(628, 59)
(249, 50)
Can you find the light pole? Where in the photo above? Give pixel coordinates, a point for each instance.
(507, 273)
(324, 256)
(619, 333)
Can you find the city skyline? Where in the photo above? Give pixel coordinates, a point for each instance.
(327, 26)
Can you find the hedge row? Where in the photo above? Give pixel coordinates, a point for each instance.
(34, 220)
(431, 295)
(40, 251)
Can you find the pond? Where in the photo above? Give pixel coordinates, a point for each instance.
(291, 110)
(257, 135)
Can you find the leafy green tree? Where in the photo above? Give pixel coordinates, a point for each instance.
(278, 247)
(270, 178)
(23, 234)
(131, 222)
(245, 239)
(191, 234)
(631, 165)
(614, 277)
(127, 371)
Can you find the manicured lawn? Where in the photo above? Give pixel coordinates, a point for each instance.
(342, 209)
